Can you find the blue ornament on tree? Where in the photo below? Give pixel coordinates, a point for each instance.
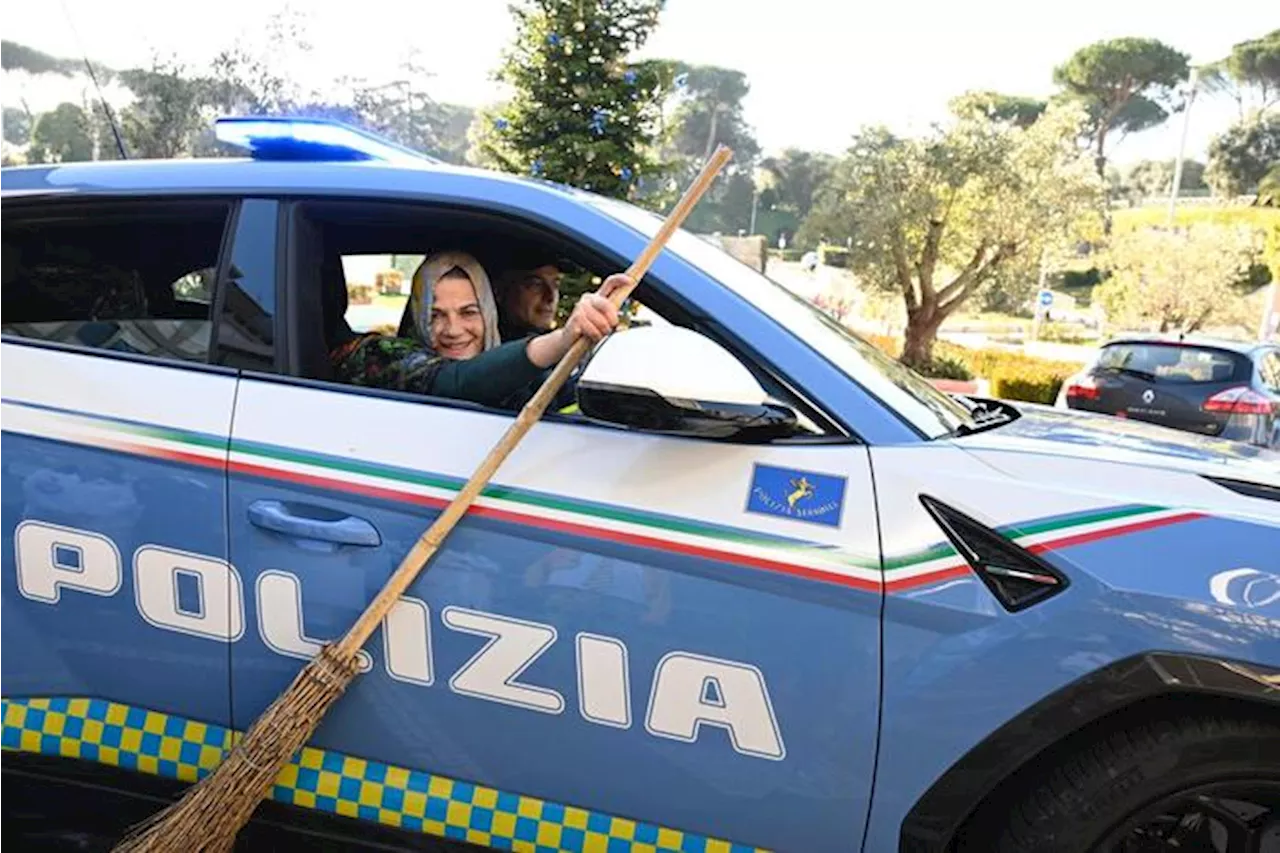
(630, 77)
(598, 121)
(500, 123)
(625, 174)
(553, 38)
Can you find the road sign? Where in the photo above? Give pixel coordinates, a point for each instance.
(1045, 298)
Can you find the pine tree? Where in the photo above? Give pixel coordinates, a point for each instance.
(581, 113)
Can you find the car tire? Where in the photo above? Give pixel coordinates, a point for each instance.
(1095, 790)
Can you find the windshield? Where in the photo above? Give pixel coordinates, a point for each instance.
(930, 411)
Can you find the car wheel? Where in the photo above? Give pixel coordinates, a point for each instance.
(1209, 784)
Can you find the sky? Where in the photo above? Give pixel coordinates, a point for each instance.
(818, 69)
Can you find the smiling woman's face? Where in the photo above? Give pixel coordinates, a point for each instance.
(457, 325)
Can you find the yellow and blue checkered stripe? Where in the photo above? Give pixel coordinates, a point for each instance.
(164, 745)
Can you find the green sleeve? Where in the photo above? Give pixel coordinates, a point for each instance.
(489, 378)
(401, 364)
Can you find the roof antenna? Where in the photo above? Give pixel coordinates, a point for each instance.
(106, 108)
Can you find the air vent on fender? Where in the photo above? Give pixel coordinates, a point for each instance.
(1015, 576)
(1247, 488)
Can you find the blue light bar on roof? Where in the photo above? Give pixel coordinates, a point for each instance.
(311, 140)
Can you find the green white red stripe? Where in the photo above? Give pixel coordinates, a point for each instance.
(560, 513)
(943, 563)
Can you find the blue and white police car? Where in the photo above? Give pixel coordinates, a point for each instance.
(906, 622)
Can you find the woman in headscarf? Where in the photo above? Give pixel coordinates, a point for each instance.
(451, 307)
(448, 344)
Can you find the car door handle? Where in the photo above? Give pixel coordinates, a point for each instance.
(294, 520)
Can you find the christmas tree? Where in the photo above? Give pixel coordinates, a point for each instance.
(581, 113)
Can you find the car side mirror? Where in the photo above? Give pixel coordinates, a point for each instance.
(674, 381)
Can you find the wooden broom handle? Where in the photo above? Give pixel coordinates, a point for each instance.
(434, 535)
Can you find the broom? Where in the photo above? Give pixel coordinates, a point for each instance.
(211, 813)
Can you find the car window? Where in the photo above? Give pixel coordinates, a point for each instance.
(1181, 364)
(126, 278)
(371, 250)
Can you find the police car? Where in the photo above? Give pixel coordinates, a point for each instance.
(765, 590)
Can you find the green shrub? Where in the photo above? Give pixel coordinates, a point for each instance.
(834, 256)
(941, 367)
(1077, 279)
(1013, 375)
(1064, 333)
(989, 363)
(1258, 275)
(791, 255)
(1041, 387)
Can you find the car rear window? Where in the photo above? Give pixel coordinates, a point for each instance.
(1175, 363)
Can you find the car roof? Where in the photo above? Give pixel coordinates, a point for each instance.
(1241, 347)
(242, 175)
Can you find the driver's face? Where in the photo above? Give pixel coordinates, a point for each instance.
(533, 296)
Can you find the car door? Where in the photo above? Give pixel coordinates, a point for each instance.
(631, 639)
(119, 602)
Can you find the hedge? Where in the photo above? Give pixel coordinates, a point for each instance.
(834, 256)
(942, 367)
(1036, 388)
(990, 363)
(1013, 376)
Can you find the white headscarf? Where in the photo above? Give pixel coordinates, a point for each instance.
(429, 273)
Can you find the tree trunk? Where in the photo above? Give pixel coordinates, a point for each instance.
(922, 331)
(1100, 163)
(711, 137)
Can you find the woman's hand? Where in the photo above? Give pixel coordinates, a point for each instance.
(595, 314)
(593, 317)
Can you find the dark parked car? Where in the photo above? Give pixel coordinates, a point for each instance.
(1225, 389)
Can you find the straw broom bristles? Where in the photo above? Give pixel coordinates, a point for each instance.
(210, 814)
(207, 821)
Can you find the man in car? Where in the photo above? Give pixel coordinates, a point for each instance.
(528, 293)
